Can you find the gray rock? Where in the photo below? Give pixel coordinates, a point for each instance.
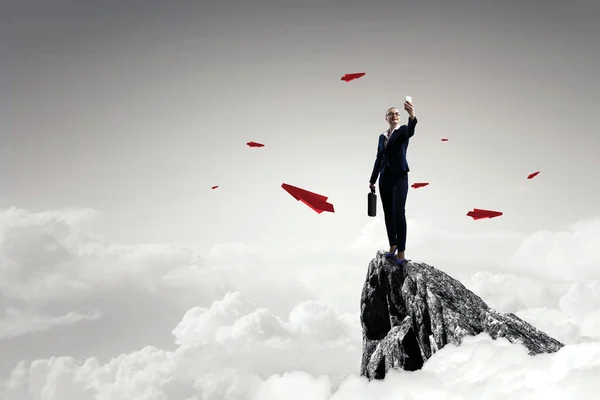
(409, 312)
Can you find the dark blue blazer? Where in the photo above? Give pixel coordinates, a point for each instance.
(394, 153)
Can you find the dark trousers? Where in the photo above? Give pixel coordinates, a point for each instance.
(393, 189)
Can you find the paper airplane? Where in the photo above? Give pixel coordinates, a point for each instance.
(214, 187)
(351, 77)
(478, 213)
(531, 176)
(254, 144)
(315, 201)
(417, 185)
(444, 140)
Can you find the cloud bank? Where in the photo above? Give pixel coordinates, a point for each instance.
(280, 320)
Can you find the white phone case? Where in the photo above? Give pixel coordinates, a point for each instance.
(408, 98)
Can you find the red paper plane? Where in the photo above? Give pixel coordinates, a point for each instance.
(478, 213)
(444, 140)
(417, 185)
(351, 77)
(315, 201)
(254, 144)
(214, 187)
(531, 176)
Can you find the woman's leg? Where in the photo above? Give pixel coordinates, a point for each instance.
(386, 192)
(399, 194)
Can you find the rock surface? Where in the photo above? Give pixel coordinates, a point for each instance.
(409, 312)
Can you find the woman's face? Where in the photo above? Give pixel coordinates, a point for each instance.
(392, 115)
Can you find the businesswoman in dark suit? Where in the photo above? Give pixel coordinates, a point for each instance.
(392, 169)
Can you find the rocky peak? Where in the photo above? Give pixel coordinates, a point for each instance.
(409, 312)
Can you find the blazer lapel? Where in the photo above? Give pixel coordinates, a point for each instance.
(394, 135)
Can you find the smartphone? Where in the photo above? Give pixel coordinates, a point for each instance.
(408, 98)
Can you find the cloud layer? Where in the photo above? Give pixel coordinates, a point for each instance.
(276, 320)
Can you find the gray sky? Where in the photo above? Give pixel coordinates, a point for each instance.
(136, 108)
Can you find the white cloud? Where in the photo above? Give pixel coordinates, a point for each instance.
(15, 322)
(554, 322)
(50, 259)
(568, 255)
(285, 360)
(270, 318)
(581, 299)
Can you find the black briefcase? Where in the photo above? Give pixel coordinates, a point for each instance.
(372, 204)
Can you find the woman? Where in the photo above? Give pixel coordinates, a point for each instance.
(391, 164)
